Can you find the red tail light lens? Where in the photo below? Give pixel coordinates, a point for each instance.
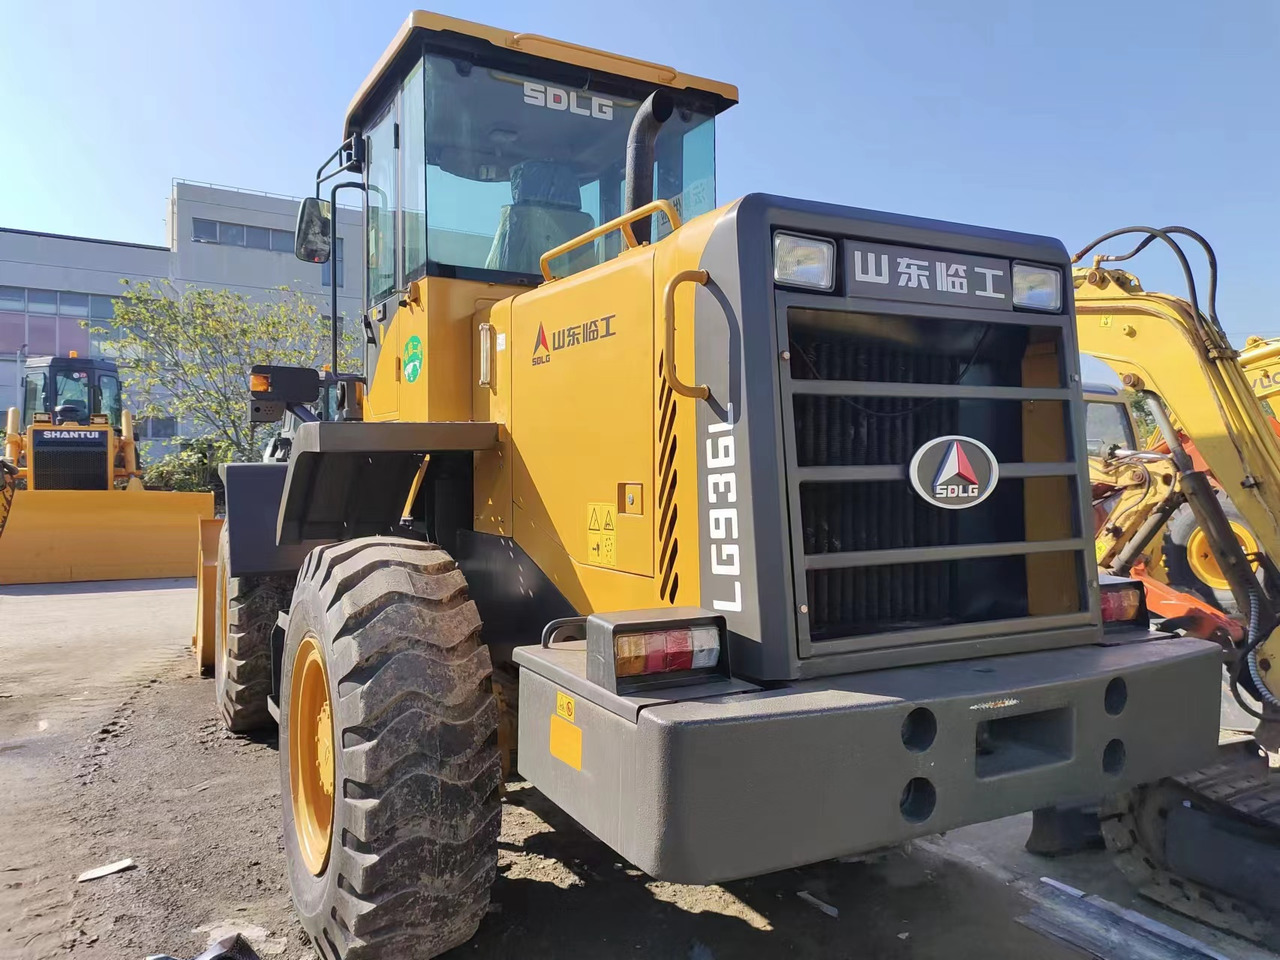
(1121, 603)
(666, 651)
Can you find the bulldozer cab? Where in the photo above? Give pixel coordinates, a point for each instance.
(71, 390)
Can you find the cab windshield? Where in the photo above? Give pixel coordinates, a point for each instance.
(498, 167)
(71, 395)
(1107, 426)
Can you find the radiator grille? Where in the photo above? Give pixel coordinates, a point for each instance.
(72, 468)
(877, 559)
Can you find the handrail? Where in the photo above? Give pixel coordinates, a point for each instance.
(699, 391)
(622, 223)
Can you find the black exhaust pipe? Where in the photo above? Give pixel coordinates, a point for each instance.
(653, 113)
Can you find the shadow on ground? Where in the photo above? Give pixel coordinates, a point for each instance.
(560, 886)
(95, 586)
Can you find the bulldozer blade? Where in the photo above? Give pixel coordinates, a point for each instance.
(56, 536)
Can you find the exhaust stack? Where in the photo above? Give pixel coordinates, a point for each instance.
(653, 113)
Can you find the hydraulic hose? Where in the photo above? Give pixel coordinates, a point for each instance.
(1209, 255)
(1249, 659)
(1253, 641)
(1152, 232)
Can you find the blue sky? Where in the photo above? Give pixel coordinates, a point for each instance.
(1026, 115)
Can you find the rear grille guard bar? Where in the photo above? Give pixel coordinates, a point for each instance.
(893, 471)
(913, 391)
(874, 558)
(806, 565)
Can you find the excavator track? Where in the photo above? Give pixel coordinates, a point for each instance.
(1242, 796)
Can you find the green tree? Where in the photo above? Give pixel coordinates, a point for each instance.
(1143, 420)
(186, 354)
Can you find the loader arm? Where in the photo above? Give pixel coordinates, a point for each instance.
(1153, 342)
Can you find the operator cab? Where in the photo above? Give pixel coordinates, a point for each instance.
(1108, 425)
(71, 390)
(480, 156)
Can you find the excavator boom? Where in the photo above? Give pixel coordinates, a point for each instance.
(1154, 343)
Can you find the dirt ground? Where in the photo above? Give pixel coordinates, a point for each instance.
(109, 749)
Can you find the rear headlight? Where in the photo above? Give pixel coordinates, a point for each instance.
(1037, 288)
(1122, 602)
(804, 261)
(666, 651)
(632, 649)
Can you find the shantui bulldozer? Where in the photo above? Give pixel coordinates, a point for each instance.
(72, 503)
(752, 535)
(1195, 515)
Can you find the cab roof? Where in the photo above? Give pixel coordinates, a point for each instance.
(95, 363)
(1102, 388)
(531, 44)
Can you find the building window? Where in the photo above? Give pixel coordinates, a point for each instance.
(13, 298)
(42, 301)
(156, 428)
(73, 304)
(102, 308)
(335, 262)
(241, 235)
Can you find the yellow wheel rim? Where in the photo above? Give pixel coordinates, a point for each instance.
(1200, 556)
(311, 774)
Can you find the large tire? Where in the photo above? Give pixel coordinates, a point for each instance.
(1181, 540)
(410, 851)
(246, 610)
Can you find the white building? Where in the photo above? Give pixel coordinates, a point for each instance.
(219, 237)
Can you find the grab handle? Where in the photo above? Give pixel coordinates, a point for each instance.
(698, 391)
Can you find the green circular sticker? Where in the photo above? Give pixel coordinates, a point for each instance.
(412, 358)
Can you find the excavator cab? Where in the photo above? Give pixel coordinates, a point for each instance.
(1108, 424)
(71, 390)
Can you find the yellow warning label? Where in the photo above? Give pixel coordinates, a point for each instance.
(566, 742)
(564, 705)
(602, 535)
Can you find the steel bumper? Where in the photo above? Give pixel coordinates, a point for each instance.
(722, 787)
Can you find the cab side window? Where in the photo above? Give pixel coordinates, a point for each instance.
(1106, 426)
(382, 248)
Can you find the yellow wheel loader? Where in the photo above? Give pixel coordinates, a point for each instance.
(756, 531)
(1201, 507)
(74, 507)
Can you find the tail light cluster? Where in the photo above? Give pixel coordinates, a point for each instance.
(634, 649)
(666, 651)
(1123, 602)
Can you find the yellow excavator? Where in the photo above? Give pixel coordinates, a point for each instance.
(1200, 507)
(73, 505)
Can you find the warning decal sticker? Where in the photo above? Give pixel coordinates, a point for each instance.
(602, 535)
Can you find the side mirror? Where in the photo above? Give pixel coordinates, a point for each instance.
(313, 238)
